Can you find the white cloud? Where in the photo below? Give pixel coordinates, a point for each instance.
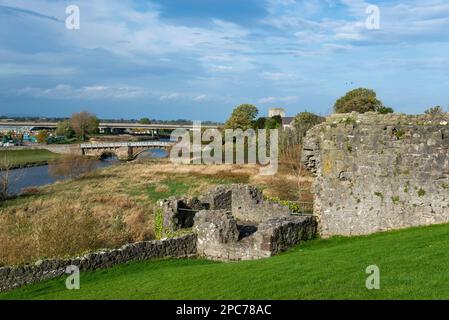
(272, 100)
(415, 21)
(34, 69)
(171, 96)
(267, 100)
(116, 26)
(63, 91)
(279, 76)
(200, 97)
(227, 63)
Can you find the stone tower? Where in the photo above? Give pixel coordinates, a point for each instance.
(276, 112)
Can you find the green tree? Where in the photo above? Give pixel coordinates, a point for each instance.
(242, 117)
(273, 122)
(360, 100)
(145, 121)
(84, 124)
(65, 130)
(260, 123)
(304, 121)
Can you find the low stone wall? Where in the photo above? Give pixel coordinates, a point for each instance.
(14, 277)
(287, 232)
(379, 172)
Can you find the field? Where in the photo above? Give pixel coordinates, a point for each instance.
(414, 264)
(110, 207)
(18, 158)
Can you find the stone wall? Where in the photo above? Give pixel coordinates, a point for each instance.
(178, 213)
(13, 277)
(220, 239)
(248, 204)
(245, 201)
(235, 222)
(379, 172)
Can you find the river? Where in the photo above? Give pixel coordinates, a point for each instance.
(24, 178)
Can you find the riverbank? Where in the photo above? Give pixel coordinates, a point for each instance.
(16, 159)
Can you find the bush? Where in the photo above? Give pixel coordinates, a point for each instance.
(71, 166)
(385, 110)
(294, 207)
(435, 111)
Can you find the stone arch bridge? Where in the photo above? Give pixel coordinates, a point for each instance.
(123, 150)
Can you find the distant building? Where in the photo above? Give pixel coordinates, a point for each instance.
(287, 122)
(276, 112)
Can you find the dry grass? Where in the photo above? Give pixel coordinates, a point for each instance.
(112, 207)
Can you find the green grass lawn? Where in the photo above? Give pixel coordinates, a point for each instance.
(414, 264)
(27, 156)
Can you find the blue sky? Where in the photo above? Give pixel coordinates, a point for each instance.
(197, 59)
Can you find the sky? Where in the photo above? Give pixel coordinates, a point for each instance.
(198, 59)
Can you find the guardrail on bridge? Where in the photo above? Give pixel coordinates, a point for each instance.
(126, 144)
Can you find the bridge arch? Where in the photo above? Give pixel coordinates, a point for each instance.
(108, 154)
(139, 152)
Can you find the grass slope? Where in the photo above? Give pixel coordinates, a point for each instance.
(414, 264)
(18, 158)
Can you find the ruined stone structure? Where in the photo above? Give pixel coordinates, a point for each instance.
(229, 223)
(236, 223)
(379, 172)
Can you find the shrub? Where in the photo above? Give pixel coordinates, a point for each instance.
(294, 206)
(421, 192)
(435, 111)
(71, 166)
(385, 110)
(158, 224)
